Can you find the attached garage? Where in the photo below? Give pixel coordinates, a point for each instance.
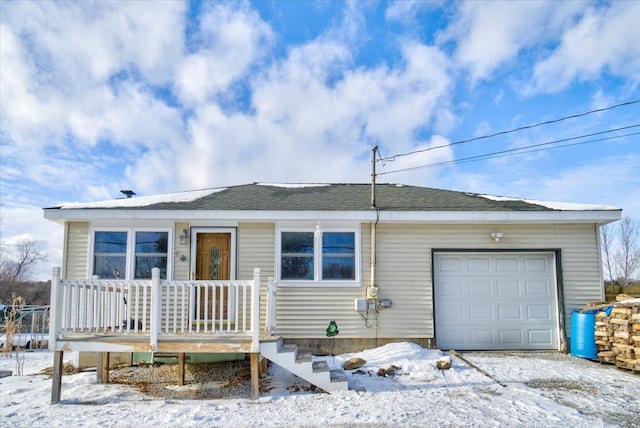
(495, 300)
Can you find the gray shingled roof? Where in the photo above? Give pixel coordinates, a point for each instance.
(335, 197)
(347, 197)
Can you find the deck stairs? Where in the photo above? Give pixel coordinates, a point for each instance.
(315, 370)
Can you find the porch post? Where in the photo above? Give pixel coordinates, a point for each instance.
(55, 311)
(255, 311)
(271, 328)
(156, 303)
(56, 387)
(102, 367)
(181, 369)
(255, 375)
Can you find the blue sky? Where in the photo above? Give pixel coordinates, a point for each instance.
(169, 96)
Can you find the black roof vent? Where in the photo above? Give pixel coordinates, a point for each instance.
(128, 193)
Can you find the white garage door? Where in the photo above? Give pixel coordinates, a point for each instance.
(486, 301)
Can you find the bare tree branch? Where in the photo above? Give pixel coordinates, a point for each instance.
(20, 268)
(606, 240)
(627, 257)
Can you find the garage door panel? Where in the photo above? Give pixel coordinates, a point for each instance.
(481, 337)
(453, 264)
(457, 337)
(451, 288)
(478, 264)
(506, 264)
(510, 337)
(509, 313)
(538, 313)
(495, 301)
(452, 314)
(536, 264)
(479, 287)
(508, 288)
(540, 337)
(480, 313)
(540, 287)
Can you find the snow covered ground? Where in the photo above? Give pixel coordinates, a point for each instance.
(540, 390)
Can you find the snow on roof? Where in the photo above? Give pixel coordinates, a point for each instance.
(294, 185)
(143, 201)
(562, 206)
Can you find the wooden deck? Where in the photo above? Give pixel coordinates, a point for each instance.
(140, 343)
(155, 315)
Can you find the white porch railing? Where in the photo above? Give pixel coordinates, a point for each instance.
(160, 309)
(271, 328)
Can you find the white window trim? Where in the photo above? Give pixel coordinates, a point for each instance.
(317, 256)
(130, 256)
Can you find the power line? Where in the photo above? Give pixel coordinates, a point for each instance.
(523, 150)
(391, 158)
(505, 153)
(555, 147)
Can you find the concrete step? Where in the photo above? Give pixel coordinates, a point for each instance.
(303, 357)
(338, 375)
(287, 348)
(320, 366)
(301, 364)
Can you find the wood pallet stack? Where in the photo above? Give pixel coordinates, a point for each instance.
(618, 336)
(604, 338)
(635, 335)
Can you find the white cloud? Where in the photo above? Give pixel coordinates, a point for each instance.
(71, 70)
(489, 35)
(551, 43)
(412, 168)
(603, 40)
(406, 11)
(230, 41)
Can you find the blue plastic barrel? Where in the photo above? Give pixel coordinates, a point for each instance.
(583, 342)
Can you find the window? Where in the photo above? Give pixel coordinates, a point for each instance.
(297, 255)
(130, 253)
(328, 257)
(151, 251)
(338, 256)
(110, 254)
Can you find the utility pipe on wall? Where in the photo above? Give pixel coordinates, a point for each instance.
(373, 224)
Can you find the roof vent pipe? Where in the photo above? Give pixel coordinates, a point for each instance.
(128, 193)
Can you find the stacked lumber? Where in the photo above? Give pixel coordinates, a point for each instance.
(604, 338)
(635, 336)
(617, 335)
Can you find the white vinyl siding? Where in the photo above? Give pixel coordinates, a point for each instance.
(256, 246)
(76, 250)
(403, 275)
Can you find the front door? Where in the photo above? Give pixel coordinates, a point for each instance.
(213, 262)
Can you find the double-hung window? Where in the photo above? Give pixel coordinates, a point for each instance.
(329, 257)
(130, 253)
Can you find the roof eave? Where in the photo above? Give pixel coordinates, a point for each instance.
(459, 217)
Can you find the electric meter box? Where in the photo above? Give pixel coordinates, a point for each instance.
(360, 304)
(372, 292)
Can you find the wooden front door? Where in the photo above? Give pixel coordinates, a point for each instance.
(213, 262)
